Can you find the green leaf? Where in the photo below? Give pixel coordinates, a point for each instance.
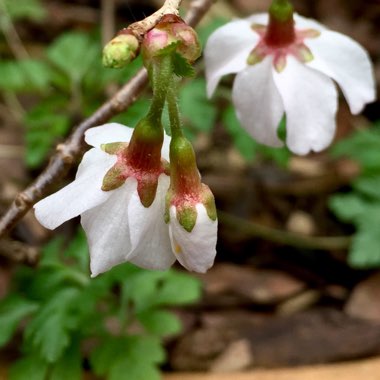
(30, 367)
(368, 186)
(135, 370)
(25, 9)
(147, 349)
(11, 78)
(197, 111)
(182, 67)
(349, 207)
(78, 249)
(160, 322)
(48, 332)
(243, 142)
(25, 75)
(12, 311)
(141, 288)
(107, 353)
(134, 114)
(178, 289)
(74, 54)
(37, 74)
(69, 367)
(44, 125)
(111, 353)
(363, 146)
(96, 79)
(365, 249)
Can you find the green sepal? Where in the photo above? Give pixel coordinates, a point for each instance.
(168, 198)
(208, 201)
(147, 193)
(168, 50)
(187, 217)
(255, 57)
(114, 147)
(113, 179)
(181, 66)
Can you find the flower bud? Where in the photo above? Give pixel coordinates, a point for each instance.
(171, 30)
(120, 50)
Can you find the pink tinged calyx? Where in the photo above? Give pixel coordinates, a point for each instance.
(186, 189)
(140, 159)
(171, 30)
(280, 38)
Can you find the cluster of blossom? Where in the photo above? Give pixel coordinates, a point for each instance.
(139, 192)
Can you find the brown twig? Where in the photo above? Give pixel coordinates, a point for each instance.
(108, 20)
(18, 251)
(70, 151)
(140, 28)
(251, 229)
(11, 35)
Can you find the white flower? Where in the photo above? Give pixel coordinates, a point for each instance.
(295, 78)
(118, 227)
(195, 249)
(190, 210)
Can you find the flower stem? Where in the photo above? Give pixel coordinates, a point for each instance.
(175, 120)
(161, 73)
(281, 10)
(280, 31)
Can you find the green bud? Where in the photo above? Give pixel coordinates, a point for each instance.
(120, 51)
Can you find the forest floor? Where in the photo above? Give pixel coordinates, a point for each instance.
(280, 295)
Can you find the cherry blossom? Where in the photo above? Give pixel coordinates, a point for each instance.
(289, 67)
(118, 226)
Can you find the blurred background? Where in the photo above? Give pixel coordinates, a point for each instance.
(296, 280)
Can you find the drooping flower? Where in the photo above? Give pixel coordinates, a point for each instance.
(190, 210)
(119, 191)
(286, 64)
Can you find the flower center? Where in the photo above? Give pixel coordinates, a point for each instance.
(280, 43)
(131, 163)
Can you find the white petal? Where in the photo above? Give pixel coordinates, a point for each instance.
(227, 51)
(307, 23)
(258, 104)
(345, 61)
(80, 195)
(107, 229)
(94, 158)
(258, 18)
(195, 250)
(154, 249)
(310, 101)
(165, 147)
(108, 133)
(143, 218)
